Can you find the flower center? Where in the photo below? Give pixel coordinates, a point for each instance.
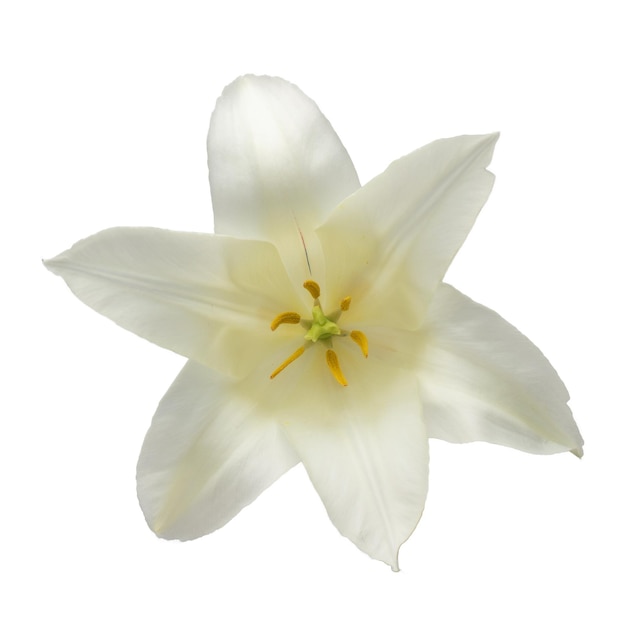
(321, 328)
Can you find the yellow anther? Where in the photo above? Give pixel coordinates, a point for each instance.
(345, 303)
(361, 340)
(298, 353)
(333, 364)
(313, 288)
(285, 318)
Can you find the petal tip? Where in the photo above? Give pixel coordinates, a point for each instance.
(53, 265)
(578, 452)
(489, 141)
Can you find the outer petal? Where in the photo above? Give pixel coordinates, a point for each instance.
(207, 455)
(390, 243)
(276, 168)
(481, 379)
(206, 297)
(365, 449)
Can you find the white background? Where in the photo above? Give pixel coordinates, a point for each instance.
(105, 108)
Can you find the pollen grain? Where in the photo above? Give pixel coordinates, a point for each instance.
(361, 340)
(289, 317)
(298, 353)
(333, 365)
(313, 288)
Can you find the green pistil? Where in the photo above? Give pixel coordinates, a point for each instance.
(322, 327)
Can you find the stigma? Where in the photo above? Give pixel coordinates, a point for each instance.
(320, 329)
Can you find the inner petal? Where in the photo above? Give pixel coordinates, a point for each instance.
(277, 169)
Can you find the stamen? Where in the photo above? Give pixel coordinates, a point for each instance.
(288, 317)
(298, 353)
(322, 328)
(313, 288)
(333, 364)
(361, 340)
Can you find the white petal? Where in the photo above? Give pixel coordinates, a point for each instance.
(206, 297)
(365, 449)
(390, 243)
(207, 455)
(276, 168)
(482, 380)
(364, 445)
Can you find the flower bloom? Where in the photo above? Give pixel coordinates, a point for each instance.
(317, 327)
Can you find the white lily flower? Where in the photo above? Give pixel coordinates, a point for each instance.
(317, 327)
